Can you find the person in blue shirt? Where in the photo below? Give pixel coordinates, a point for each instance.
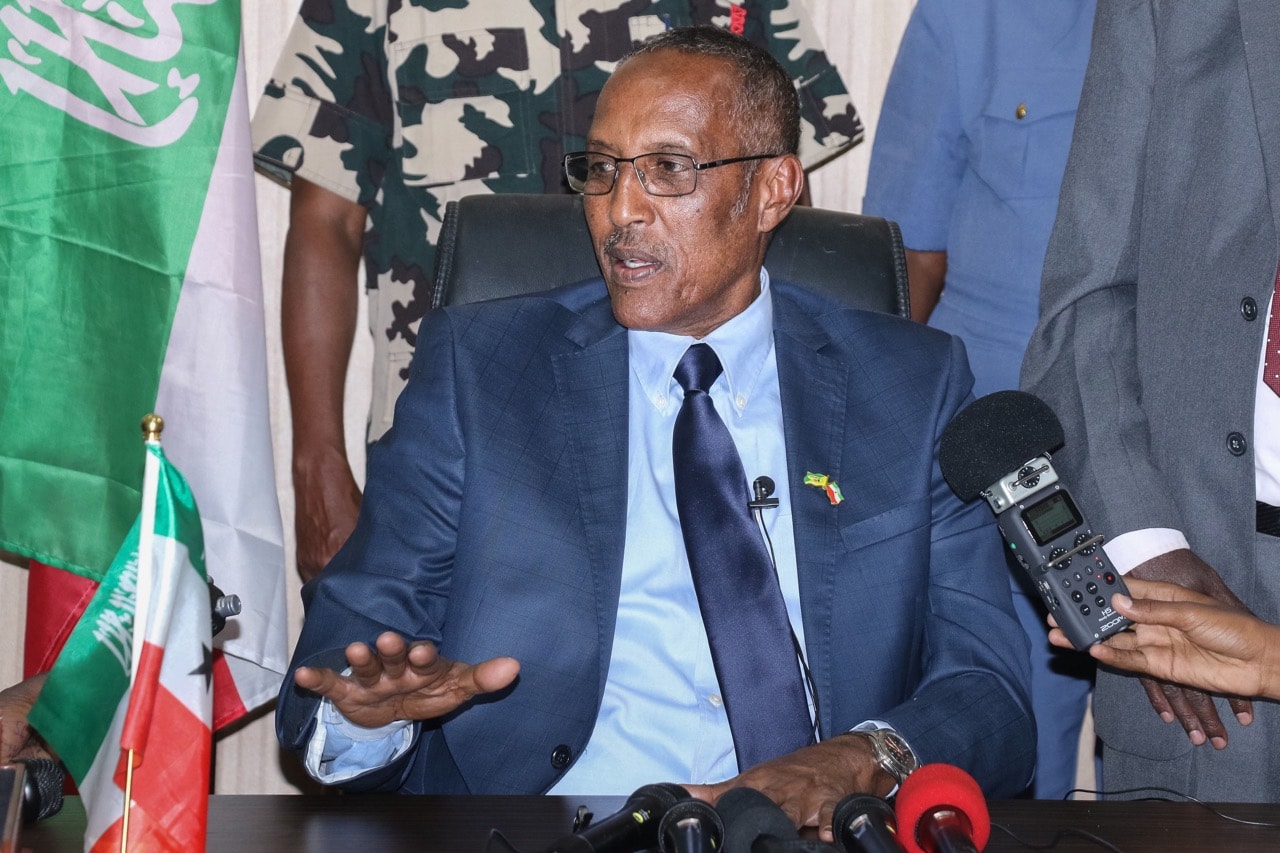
(969, 153)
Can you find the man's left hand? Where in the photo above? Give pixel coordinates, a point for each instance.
(808, 783)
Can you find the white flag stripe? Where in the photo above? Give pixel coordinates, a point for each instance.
(103, 799)
(146, 563)
(213, 396)
(184, 663)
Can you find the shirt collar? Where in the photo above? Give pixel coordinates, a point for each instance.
(742, 344)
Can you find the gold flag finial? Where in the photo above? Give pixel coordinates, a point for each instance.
(152, 426)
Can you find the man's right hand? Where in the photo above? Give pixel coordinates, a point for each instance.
(1194, 709)
(327, 502)
(396, 680)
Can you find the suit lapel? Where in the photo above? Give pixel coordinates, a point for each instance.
(591, 391)
(813, 391)
(1260, 27)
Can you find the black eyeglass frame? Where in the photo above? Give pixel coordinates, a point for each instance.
(697, 167)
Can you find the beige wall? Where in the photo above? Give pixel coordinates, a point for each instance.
(861, 37)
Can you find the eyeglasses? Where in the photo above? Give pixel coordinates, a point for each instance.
(659, 174)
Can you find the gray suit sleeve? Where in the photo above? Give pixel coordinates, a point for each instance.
(1082, 358)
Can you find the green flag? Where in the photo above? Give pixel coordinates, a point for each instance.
(130, 283)
(111, 128)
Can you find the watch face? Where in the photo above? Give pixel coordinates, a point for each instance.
(896, 752)
(897, 749)
(891, 751)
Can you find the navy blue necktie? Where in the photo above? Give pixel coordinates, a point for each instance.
(738, 591)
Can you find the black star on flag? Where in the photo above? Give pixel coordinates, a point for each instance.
(206, 666)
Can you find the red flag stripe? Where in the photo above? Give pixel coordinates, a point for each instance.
(55, 601)
(171, 786)
(227, 705)
(142, 701)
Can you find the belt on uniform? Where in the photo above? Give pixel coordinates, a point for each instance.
(1268, 519)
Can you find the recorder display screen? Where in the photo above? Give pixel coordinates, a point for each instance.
(1052, 517)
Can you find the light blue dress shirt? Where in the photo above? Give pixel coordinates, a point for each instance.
(661, 717)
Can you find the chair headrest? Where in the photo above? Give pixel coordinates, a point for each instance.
(507, 244)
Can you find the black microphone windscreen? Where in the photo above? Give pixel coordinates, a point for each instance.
(690, 826)
(748, 816)
(660, 795)
(763, 487)
(994, 435)
(863, 823)
(42, 790)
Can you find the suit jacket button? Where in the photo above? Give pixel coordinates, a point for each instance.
(560, 756)
(1236, 444)
(1249, 308)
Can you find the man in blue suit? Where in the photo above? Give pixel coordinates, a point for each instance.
(515, 613)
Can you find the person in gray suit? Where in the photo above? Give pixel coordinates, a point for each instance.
(1154, 309)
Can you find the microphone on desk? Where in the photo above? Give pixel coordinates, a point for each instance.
(634, 827)
(690, 826)
(753, 823)
(865, 824)
(941, 809)
(42, 785)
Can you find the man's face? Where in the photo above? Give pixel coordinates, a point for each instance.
(682, 264)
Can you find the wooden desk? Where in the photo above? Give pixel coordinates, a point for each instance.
(390, 824)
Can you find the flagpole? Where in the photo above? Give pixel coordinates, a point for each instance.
(152, 426)
(128, 801)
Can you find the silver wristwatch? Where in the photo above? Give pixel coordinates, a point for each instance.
(891, 751)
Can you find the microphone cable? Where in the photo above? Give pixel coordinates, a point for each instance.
(1058, 836)
(1174, 797)
(763, 489)
(1177, 797)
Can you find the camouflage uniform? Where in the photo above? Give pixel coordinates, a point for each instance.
(404, 105)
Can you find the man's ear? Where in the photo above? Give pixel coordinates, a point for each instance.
(781, 181)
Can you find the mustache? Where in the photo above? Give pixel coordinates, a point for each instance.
(616, 236)
(627, 240)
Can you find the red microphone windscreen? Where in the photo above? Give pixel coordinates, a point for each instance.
(934, 787)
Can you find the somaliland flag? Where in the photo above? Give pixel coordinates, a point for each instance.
(130, 283)
(150, 617)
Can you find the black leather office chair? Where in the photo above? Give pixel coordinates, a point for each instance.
(504, 245)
